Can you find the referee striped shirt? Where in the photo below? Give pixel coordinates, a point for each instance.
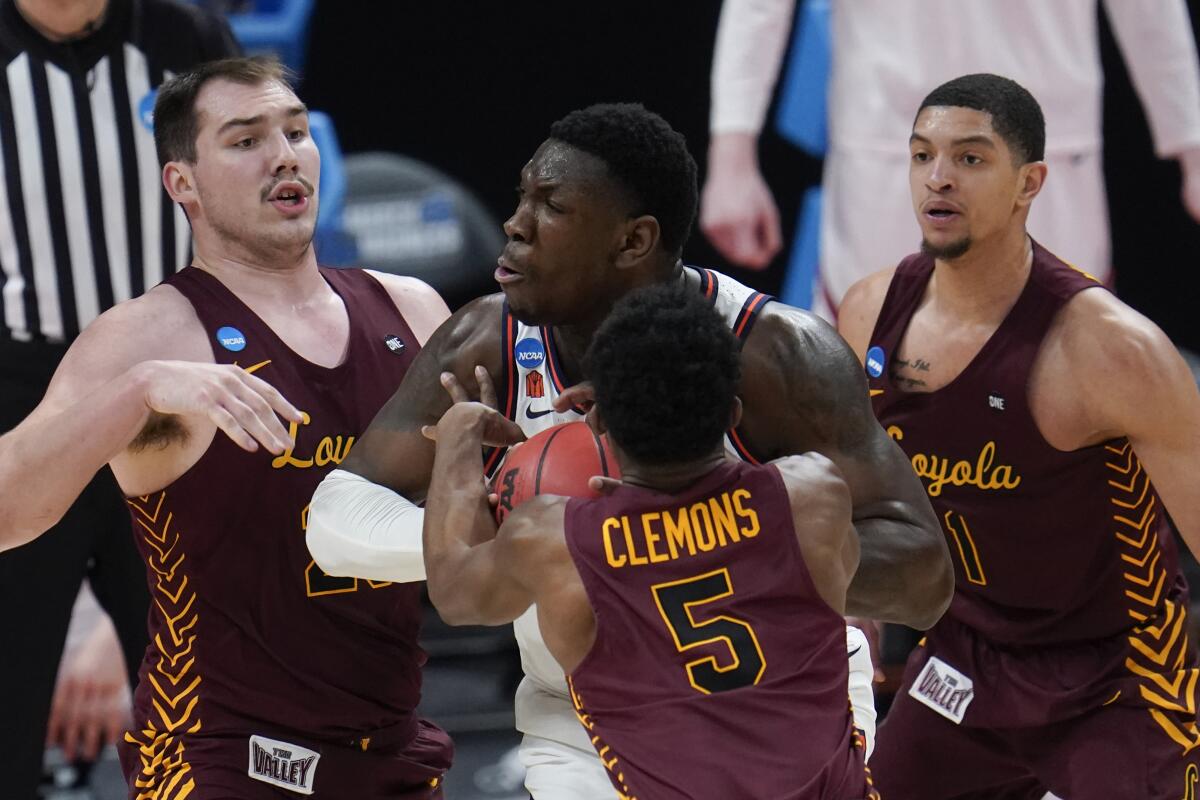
(84, 220)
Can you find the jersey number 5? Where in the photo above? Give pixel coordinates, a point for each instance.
(676, 602)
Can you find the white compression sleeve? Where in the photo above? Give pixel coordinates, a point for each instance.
(361, 529)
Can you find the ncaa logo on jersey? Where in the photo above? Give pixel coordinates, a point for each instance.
(529, 353)
(231, 338)
(875, 361)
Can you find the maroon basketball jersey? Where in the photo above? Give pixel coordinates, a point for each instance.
(1050, 548)
(247, 634)
(717, 670)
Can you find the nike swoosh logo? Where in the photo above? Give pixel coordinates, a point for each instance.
(855, 650)
(531, 414)
(876, 391)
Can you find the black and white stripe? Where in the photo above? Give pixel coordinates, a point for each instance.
(84, 220)
(98, 226)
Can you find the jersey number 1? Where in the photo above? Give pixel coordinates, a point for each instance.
(676, 601)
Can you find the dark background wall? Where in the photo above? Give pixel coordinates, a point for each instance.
(472, 87)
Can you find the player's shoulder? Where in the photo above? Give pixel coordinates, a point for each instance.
(418, 302)
(1097, 334)
(860, 308)
(159, 324)
(811, 474)
(470, 336)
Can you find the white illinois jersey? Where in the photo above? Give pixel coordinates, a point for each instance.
(530, 380)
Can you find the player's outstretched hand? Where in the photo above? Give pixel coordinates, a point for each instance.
(246, 408)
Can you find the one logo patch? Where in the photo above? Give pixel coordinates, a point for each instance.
(231, 338)
(394, 343)
(531, 414)
(996, 401)
(944, 689)
(875, 360)
(282, 764)
(534, 385)
(529, 353)
(146, 109)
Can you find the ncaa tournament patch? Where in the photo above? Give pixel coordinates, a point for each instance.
(874, 361)
(529, 353)
(288, 766)
(231, 339)
(944, 689)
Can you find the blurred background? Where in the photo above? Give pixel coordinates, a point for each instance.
(430, 111)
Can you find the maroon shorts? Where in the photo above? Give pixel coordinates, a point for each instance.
(1116, 752)
(275, 767)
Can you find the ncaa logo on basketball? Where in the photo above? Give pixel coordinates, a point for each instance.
(529, 353)
(231, 338)
(874, 362)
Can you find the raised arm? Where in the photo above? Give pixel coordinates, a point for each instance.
(131, 373)
(802, 390)
(363, 520)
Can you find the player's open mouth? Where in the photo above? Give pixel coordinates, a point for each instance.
(940, 212)
(505, 273)
(289, 197)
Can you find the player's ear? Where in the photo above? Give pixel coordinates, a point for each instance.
(735, 412)
(639, 238)
(179, 182)
(1033, 177)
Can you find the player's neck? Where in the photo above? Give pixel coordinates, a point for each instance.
(291, 282)
(672, 477)
(63, 20)
(984, 283)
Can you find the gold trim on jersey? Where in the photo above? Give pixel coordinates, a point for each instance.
(1158, 642)
(610, 760)
(165, 773)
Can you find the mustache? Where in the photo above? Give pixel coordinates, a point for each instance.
(308, 187)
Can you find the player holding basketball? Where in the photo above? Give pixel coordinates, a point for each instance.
(645, 595)
(605, 206)
(264, 675)
(1037, 408)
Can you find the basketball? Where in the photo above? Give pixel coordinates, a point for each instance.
(559, 460)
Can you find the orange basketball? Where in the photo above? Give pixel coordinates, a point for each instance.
(558, 460)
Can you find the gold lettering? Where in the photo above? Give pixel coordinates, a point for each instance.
(678, 534)
(652, 537)
(981, 474)
(329, 450)
(722, 514)
(613, 560)
(748, 514)
(895, 432)
(634, 559)
(286, 459)
(702, 526)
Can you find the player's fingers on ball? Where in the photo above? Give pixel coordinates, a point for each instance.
(487, 387)
(226, 422)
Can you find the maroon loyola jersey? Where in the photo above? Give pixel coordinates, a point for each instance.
(247, 634)
(717, 670)
(1068, 554)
